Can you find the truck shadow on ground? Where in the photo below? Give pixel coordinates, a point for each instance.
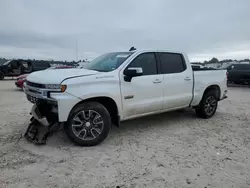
(168, 120)
(159, 120)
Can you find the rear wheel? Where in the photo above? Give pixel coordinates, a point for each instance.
(88, 124)
(1, 75)
(208, 105)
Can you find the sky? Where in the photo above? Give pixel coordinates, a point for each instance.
(84, 29)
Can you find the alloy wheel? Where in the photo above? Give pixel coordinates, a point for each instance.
(87, 125)
(210, 105)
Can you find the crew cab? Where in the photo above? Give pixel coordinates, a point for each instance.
(120, 86)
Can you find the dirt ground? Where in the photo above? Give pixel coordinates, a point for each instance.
(174, 149)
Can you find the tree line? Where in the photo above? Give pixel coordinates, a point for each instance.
(3, 60)
(214, 60)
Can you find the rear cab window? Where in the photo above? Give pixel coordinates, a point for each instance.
(171, 62)
(241, 67)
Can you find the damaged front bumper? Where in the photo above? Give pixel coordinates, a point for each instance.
(50, 111)
(37, 115)
(40, 127)
(44, 113)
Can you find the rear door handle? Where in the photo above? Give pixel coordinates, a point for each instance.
(157, 81)
(187, 78)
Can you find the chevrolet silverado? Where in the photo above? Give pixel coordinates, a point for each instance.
(119, 86)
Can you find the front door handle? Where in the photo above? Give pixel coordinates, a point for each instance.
(187, 78)
(157, 81)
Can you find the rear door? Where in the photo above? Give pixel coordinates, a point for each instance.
(177, 80)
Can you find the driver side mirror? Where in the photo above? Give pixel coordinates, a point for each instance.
(132, 72)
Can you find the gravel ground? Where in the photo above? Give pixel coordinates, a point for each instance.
(174, 149)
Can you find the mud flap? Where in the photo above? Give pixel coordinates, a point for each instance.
(39, 128)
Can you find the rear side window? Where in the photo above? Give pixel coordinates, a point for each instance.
(171, 63)
(41, 65)
(147, 62)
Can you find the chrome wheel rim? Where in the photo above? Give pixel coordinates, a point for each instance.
(87, 125)
(210, 105)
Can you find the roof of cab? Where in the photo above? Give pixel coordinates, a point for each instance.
(157, 50)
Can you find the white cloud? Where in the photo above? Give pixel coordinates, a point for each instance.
(49, 29)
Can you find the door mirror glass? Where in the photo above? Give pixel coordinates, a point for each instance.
(132, 72)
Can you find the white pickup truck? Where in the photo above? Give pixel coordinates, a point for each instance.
(119, 86)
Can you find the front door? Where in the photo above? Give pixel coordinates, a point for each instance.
(144, 94)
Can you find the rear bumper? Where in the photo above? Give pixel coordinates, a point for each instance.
(224, 96)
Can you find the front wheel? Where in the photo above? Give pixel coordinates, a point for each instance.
(208, 105)
(88, 124)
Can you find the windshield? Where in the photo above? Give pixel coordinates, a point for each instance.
(7, 62)
(225, 66)
(108, 62)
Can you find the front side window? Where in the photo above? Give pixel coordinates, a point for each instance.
(145, 61)
(108, 62)
(171, 63)
(7, 62)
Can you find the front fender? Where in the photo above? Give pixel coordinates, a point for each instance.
(94, 86)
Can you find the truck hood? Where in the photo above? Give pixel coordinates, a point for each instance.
(56, 76)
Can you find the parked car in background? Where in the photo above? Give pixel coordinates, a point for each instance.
(197, 66)
(238, 73)
(22, 78)
(19, 67)
(119, 86)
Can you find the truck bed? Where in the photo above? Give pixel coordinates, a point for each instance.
(196, 68)
(204, 78)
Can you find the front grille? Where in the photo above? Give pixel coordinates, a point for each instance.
(32, 84)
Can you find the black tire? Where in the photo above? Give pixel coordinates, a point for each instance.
(202, 110)
(93, 107)
(1, 75)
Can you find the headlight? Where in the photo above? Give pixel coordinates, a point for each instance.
(56, 87)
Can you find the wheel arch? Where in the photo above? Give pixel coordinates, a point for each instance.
(214, 88)
(109, 104)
